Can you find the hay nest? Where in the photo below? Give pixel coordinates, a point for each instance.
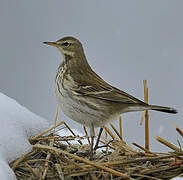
(54, 157)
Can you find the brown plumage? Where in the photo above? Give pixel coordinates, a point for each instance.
(84, 96)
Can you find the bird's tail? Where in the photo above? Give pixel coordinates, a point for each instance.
(163, 109)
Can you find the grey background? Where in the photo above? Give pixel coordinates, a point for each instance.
(124, 41)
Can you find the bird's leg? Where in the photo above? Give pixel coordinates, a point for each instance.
(92, 135)
(91, 148)
(98, 139)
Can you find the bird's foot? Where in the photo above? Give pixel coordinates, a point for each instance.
(103, 146)
(91, 155)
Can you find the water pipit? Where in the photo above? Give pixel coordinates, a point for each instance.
(84, 96)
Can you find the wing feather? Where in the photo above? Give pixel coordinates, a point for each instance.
(96, 87)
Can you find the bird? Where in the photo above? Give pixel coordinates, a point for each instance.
(84, 96)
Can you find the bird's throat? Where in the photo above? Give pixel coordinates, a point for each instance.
(75, 62)
(67, 57)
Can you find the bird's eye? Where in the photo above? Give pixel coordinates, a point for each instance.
(66, 44)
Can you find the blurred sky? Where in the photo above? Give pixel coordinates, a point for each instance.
(124, 41)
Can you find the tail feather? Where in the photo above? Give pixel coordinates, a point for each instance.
(163, 109)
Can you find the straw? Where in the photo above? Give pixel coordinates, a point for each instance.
(59, 151)
(147, 146)
(168, 144)
(86, 133)
(46, 131)
(115, 130)
(109, 132)
(71, 131)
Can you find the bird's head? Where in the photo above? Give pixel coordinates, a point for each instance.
(67, 46)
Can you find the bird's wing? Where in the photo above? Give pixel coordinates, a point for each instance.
(96, 87)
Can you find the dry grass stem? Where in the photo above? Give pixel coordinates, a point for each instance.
(46, 163)
(109, 132)
(179, 130)
(59, 170)
(19, 160)
(31, 169)
(46, 131)
(166, 143)
(86, 133)
(115, 130)
(147, 146)
(140, 147)
(71, 131)
(56, 116)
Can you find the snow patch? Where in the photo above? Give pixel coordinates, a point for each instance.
(17, 125)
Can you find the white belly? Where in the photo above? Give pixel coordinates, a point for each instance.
(81, 113)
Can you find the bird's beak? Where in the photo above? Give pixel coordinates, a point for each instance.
(51, 44)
